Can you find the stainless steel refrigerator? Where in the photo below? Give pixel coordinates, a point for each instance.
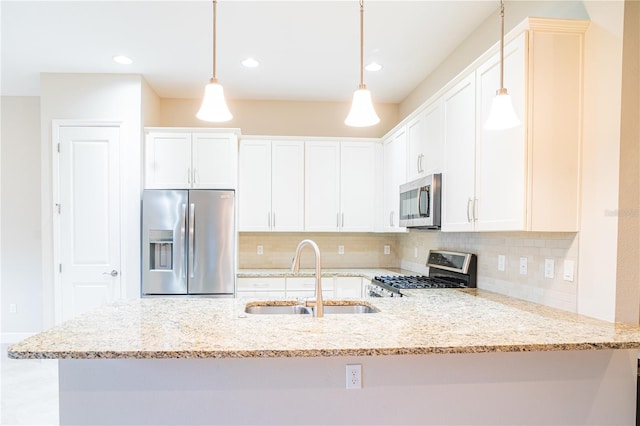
(188, 242)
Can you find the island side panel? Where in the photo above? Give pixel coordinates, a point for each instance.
(566, 387)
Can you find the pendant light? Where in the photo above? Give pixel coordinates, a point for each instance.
(362, 113)
(502, 116)
(214, 107)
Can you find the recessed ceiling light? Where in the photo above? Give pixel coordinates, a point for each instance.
(373, 66)
(250, 63)
(124, 60)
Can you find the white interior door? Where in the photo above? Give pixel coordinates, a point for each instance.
(89, 218)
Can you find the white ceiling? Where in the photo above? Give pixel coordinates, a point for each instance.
(308, 50)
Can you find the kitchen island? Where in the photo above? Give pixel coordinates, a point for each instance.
(439, 357)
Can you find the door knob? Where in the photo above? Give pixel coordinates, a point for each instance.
(113, 273)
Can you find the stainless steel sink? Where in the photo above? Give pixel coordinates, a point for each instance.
(333, 307)
(350, 309)
(278, 309)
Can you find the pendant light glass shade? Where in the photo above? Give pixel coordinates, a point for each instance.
(502, 115)
(214, 107)
(362, 113)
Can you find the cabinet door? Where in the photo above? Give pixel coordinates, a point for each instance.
(168, 161)
(394, 174)
(459, 160)
(433, 140)
(322, 186)
(501, 169)
(214, 161)
(348, 287)
(287, 186)
(254, 192)
(416, 138)
(357, 186)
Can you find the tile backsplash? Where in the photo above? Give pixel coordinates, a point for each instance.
(360, 250)
(409, 251)
(534, 246)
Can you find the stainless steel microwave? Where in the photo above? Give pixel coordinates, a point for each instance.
(420, 202)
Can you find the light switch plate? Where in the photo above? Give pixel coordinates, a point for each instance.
(501, 262)
(387, 249)
(340, 249)
(549, 268)
(523, 266)
(260, 250)
(567, 273)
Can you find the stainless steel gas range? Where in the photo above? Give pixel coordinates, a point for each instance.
(447, 269)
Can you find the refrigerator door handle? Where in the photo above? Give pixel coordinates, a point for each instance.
(192, 243)
(183, 231)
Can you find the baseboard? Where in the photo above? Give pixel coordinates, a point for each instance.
(10, 338)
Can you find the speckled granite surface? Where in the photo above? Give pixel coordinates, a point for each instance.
(434, 321)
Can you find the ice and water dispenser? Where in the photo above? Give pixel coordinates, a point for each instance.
(161, 250)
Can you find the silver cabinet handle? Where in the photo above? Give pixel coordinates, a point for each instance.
(188, 174)
(192, 243)
(468, 212)
(343, 219)
(475, 209)
(418, 164)
(195, 176)
(273, 214)
(269, 220)
(391, 218)
(338, 220)
(113, 273)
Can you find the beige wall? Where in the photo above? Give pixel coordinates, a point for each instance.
(628, 261)
(20, 226)
(360, 250)
(281, 118)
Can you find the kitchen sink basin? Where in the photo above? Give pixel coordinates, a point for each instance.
(331, 307)
(349, 309)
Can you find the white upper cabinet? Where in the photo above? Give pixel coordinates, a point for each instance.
(525, 178)
(340, 186)
(190, 158)
(425, 142)
(271, 187)
(394, 174)
(459, 157)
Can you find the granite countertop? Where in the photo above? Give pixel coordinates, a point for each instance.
(431, 322)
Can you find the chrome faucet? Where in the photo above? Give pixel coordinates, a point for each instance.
(318, 311)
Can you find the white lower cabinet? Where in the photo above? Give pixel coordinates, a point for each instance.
(261, 288)
(291, 288)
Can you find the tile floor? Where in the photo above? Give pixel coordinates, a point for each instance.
(28, 391)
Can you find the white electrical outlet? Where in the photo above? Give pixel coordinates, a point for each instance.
(13, 308)
(340, 249)
(567, 274)
(501, 262)
(549, 268)
(523, 266)
(387, 249)
(415, 252)
(354, 376)
(260, 250)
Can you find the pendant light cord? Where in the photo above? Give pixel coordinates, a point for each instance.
(501, 45)
(214, 79)
(362, 85)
